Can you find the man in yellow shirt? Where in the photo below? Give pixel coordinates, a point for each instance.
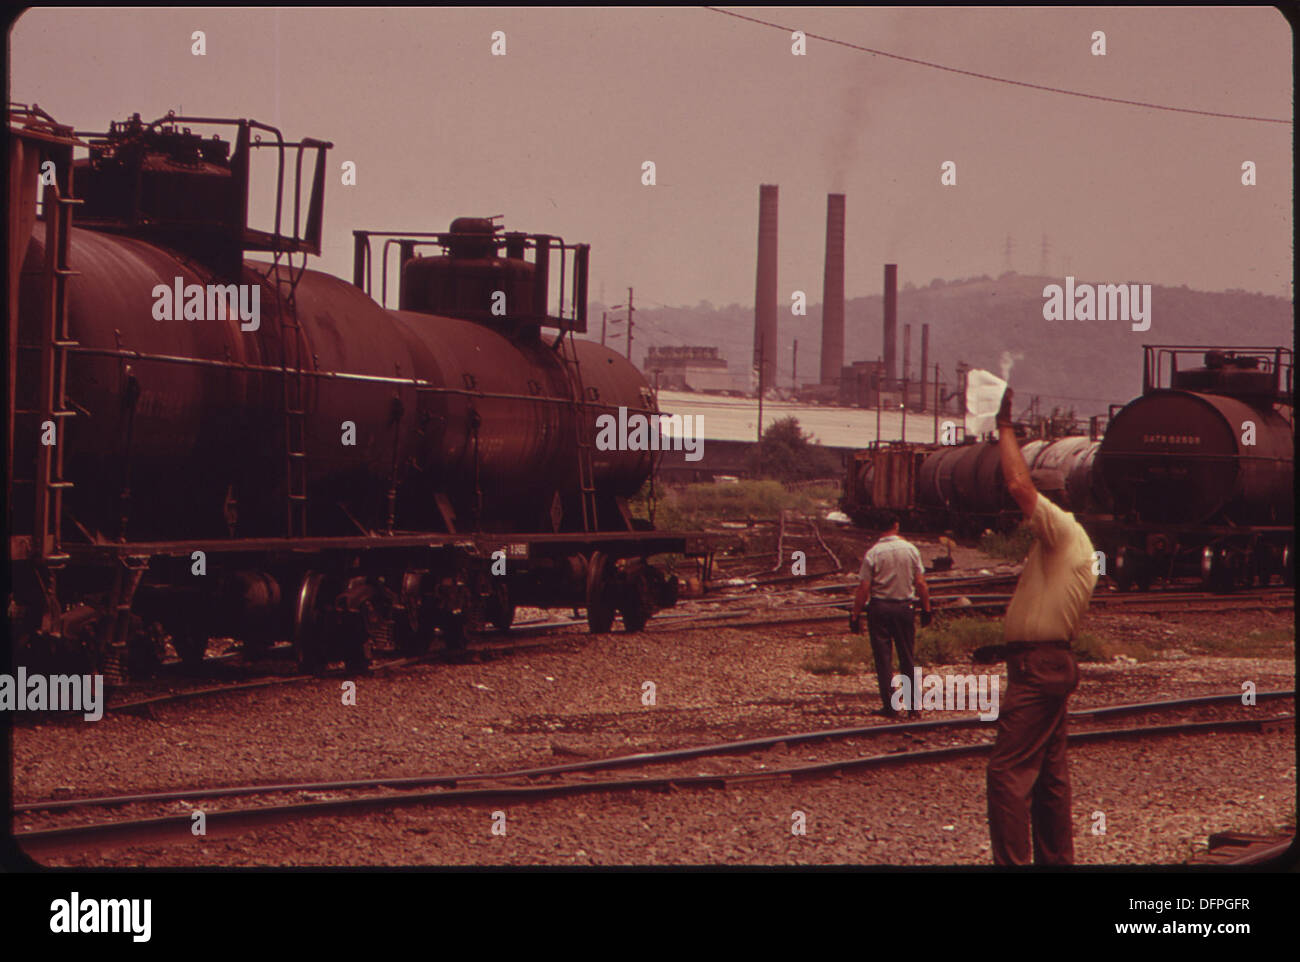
(1028, 773)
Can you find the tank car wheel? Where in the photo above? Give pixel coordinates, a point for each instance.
(455, 631)
(191, 645)
(81, 640)
(500, 610)
(75, 651)
(310, 637)
(255, 598)
(145, 647)
(1126, 569)
(413, 617)
(1143, 575)
(1237, 572)
(1219, 569)
(600, 606)
(636, 605)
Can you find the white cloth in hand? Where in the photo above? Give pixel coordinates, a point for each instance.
(983, 398)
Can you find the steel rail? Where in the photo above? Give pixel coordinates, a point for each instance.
(621, 761)
(1252, 852)
(1244, 603)
(671, 622)
(44, 840)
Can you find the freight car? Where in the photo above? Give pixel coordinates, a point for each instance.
(208, 445)
(959, 487)
(1194, 477)
(1200, 470)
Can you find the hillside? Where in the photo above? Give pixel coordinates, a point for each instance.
(1080, 364)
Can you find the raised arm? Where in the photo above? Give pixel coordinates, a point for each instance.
(1014, 470)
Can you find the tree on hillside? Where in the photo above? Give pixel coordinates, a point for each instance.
(788, 454)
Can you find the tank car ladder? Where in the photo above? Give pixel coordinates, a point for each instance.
(293, 394)
(53, 402)
(50, 404)
(586, 471)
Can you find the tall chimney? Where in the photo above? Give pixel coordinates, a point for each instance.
(765, 287)
(833, 292)
(925, 359)
(907, 361)
(891, 322)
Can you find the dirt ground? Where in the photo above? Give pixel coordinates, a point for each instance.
(575, 696)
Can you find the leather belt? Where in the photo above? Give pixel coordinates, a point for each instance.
(1027, 645)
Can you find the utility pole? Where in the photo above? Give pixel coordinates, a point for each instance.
(880, 369)
(630, 309)
(938, 400)
(604, 324)
(794, 366)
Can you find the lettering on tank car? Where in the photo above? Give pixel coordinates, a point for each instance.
(1171, 439)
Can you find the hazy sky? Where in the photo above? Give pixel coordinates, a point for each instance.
(553, 135)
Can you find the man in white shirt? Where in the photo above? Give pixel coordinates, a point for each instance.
(892, 576)
(1028, 772)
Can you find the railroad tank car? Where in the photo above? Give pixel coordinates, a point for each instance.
(319, 468)
(1074, 457)
(1179, 457)
(1195, 476)
(964, 485)
(1200, 469)
(202, 438)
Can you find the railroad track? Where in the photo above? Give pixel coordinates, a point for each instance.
(1273, 599)
(740, 611)
(513, 640)
(1245, 848)
(513, 785)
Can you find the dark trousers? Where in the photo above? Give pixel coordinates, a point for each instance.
(1028, 774)
(891, 624)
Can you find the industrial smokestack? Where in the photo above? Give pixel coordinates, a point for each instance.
(907, 360)
(765, 288)
(891, 322)
(925, 359)
(833, 292)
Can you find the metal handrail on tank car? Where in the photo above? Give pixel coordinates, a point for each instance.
(279, 143)
(1281, 358)
(363, 260)
(419, 384)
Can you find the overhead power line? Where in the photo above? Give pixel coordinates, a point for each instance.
(1003, 80)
